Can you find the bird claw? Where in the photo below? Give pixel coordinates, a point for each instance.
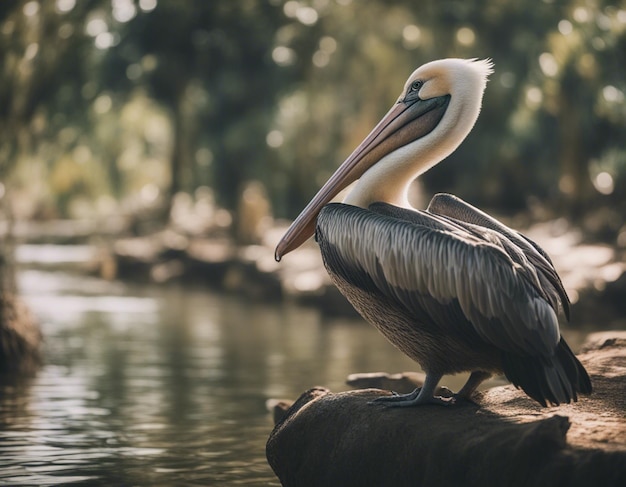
(413, 399)
(397, 397)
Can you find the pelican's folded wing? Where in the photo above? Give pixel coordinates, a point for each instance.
(443, 272)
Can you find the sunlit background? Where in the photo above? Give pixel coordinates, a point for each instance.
(113, 106)
(152, 152)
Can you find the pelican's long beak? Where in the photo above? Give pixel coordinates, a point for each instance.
(404, 123)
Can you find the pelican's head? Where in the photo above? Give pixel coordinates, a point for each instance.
(463, 82)
(436, 110)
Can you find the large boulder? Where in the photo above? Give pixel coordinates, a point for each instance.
(504, 438)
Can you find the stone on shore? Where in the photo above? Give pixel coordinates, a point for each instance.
(504, 438)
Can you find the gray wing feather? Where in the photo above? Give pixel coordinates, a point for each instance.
(467, 215)
(431, 258)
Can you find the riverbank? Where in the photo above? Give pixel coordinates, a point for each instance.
(593, 274)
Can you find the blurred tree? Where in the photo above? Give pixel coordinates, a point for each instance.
(549, 115)
(210, 64)
(584, 85)
(282, 90)
(46, 61)
(38, 65)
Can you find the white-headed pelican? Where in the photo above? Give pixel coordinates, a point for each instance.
(451, 287)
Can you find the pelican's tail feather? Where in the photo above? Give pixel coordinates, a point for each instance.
(548, 380)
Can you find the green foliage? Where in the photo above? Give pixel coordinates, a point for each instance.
(102, 100)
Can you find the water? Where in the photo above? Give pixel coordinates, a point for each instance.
(166, 385)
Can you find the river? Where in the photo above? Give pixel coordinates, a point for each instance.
(166, 385)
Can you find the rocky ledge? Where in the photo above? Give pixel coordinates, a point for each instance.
(504, 438)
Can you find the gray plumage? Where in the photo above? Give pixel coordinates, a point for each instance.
(451, 287)
(456, 291)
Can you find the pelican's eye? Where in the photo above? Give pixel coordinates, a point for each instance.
(416, 85)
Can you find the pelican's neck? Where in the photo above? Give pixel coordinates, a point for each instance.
(388, 180)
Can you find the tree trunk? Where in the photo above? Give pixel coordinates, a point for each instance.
(575, 182)
(20, 337)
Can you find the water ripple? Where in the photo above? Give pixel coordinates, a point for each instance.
(164, 386)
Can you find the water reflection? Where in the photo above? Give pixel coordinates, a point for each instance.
(165, 386)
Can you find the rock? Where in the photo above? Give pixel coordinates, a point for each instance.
(504, 438)
(280, 407)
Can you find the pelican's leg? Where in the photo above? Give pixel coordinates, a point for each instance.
(423, 395)
(474, 380)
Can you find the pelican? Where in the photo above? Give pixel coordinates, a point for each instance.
(451, 287)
